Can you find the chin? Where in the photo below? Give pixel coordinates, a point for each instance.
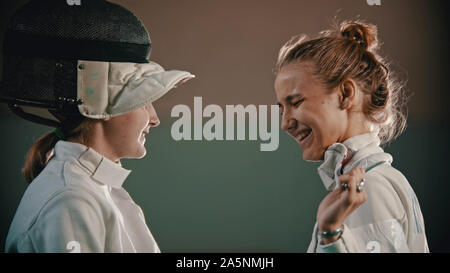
(142, 153)
(139, 153)
(309, 156)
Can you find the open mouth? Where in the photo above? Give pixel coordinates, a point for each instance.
(304, 136)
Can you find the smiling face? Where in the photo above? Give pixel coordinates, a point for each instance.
(311, 112)
(125, 134)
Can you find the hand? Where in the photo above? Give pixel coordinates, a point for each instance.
(340, 203)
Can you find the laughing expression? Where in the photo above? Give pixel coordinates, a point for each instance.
(310, 111)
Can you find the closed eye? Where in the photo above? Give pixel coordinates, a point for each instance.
(298, 102)
(281, 108)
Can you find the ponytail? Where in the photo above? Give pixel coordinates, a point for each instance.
(41, 152)
(38, 156)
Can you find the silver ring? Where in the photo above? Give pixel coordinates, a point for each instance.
(360, 186)
(344, 186)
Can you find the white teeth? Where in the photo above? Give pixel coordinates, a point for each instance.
(304, 134)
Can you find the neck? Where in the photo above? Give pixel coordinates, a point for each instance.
(102, 147)
(100, 144)
(357, 125)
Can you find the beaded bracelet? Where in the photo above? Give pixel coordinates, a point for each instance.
(326, 234)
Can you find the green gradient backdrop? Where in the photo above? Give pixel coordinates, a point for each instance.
(229, 196)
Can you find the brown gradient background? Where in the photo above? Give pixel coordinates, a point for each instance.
(227, 196)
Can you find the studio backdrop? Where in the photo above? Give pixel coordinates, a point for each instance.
(255, 193)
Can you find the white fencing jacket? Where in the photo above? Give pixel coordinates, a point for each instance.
(390, 220)
(77, 204)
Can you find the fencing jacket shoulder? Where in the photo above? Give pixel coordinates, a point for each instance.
(390, 220)
(77, 204)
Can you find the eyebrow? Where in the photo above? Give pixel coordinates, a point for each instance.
(290, 97)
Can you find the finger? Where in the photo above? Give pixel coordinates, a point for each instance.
(343, 185)
(362, 181)
(343, 182)
(364, 195)
(348, 181)
(356, 174)
(360, 186)
(353, 198)
(359, 196)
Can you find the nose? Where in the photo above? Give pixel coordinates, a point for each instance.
(154, 120)
(287, 122)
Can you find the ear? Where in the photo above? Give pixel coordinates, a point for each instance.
(347, 93)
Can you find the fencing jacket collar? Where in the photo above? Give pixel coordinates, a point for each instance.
(99, 167)
(361, 147)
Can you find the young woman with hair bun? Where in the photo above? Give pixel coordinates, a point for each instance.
(340, 102)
